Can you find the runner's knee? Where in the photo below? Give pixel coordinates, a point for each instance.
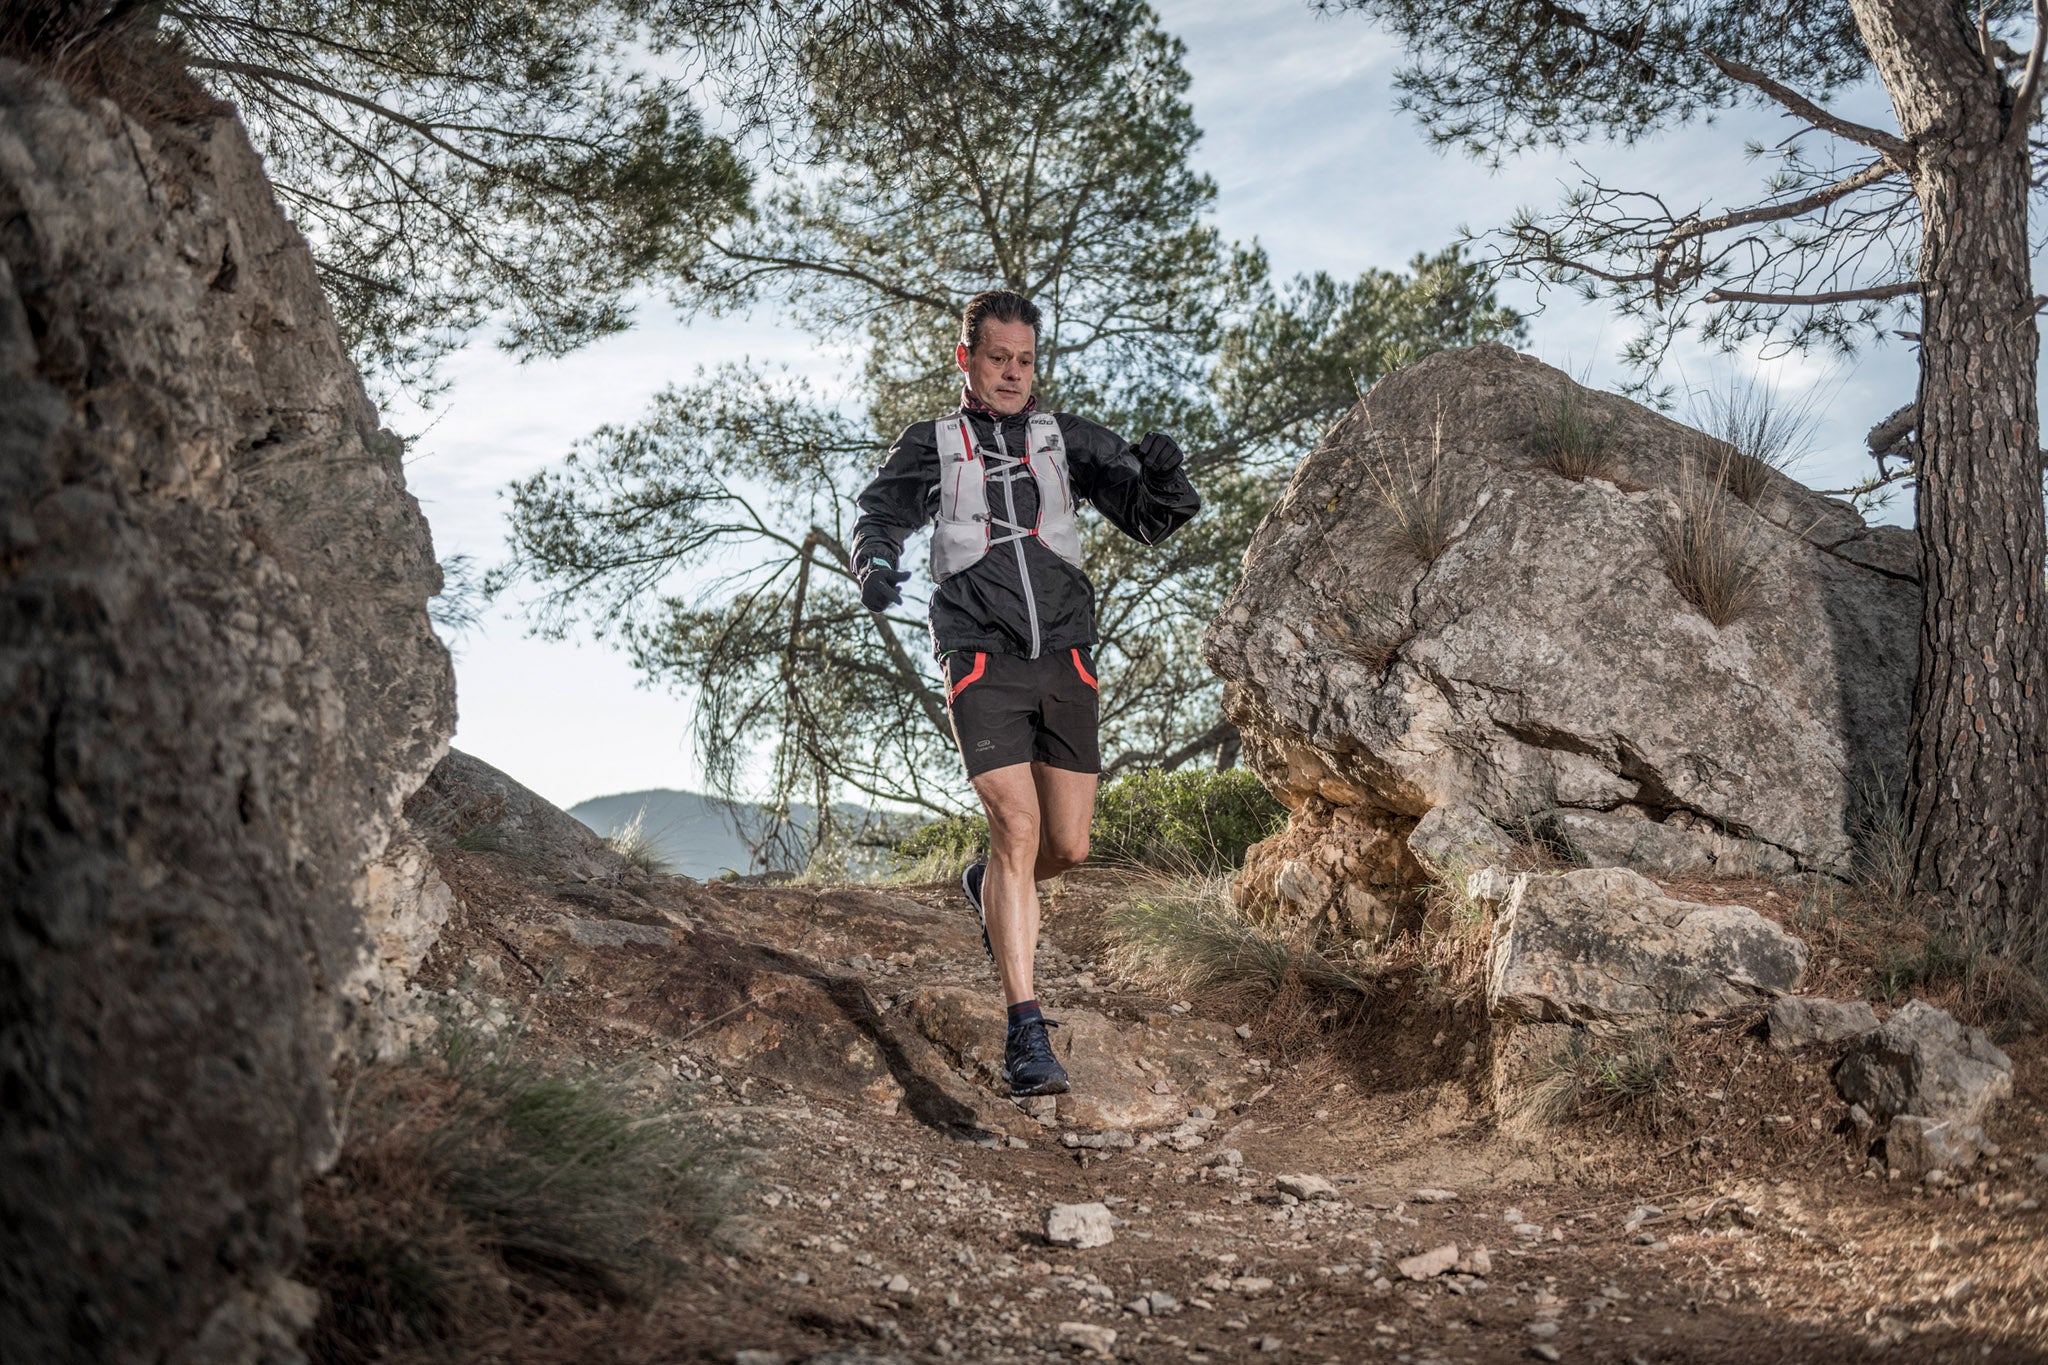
(1061, 852)
(1013, 834)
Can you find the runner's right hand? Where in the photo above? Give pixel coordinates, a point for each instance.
(881, 587)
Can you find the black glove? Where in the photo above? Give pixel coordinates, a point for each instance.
(881, 586)
(1158, 455)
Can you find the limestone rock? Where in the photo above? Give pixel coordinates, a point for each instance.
(467, 803)
(1915, 1146)
(1350, 867)
(1429, 1264)
(1079, 1225)
(1614, 839)
(1089, 1336)
(1801, 1021)
(1608, 944)
(1922, 1061)
(220, 686)
(615, 933)
(1305, 1186)
(1457, 839)
(1543, 659)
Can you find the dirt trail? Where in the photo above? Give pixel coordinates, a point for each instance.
(894, 1201)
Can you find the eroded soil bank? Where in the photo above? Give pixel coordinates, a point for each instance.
(892, 1203)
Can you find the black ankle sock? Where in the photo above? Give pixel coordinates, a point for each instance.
(1022, 1013)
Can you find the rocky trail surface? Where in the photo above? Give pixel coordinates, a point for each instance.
(1269, 1189)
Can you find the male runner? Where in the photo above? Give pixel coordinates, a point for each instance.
(1013, 619)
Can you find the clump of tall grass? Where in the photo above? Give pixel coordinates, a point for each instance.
(1760, 433)
(1714, 547)
(473, 1185)
(1190, 938)
(1410, 485)
(1573, 442)
(1884, 847)
(640, 849)
(1585, 1077)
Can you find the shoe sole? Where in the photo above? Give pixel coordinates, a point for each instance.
(1049, 1088)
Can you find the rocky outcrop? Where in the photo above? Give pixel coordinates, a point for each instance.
(1926, 1083)
(467, 803)
(1606, 945)
(1433, 615)
(220, 685)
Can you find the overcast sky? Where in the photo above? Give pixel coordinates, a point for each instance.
(1309, 156)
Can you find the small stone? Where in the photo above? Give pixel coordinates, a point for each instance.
(1163, 1303)
(1229, 1156)
(1543, 1350)
(1086, 981)
(2041, 1165)
(898, 1284)
(1429, 1264)
(1161, 1088)
(1430, 1196)
(1016, 1144)
(1244, 1030)
(1512, 1216)
(1141, 1306)
(1250, 1285)
(1477, 1261)
(1088, 1337)
(1305, 1186)
(1270, 1344)
(1643, 1213)
(1079, 1225)
(1542, 1328)
(1528, 1230)
(1108, 1139)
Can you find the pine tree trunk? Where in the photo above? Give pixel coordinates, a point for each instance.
(1977, 783)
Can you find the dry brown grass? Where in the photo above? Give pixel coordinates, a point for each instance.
(476, 1194)
(1759, 434)
(1409, 482)
(1714, 546)
(122, 62)
(1571, 441)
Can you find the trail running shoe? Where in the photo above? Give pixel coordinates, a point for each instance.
(970, 882)
(1028, 1063)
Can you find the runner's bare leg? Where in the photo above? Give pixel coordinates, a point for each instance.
(1038, 820)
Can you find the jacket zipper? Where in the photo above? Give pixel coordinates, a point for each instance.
(1010, 503)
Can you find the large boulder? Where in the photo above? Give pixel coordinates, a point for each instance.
(220, 684)
(1605, 945)
(1432, 616)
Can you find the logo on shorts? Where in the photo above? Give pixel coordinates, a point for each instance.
(984, 744)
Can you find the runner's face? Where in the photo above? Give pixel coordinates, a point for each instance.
(999, 369)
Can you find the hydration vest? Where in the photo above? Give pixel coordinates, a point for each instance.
(973, 495)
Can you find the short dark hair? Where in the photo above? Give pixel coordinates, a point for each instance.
(995, 305)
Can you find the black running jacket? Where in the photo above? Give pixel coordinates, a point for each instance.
(983, 606)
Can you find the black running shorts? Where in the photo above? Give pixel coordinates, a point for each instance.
(1008, 709)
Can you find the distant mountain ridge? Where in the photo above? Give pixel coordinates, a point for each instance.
(700, 836)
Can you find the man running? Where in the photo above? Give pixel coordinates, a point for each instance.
(1013, 619)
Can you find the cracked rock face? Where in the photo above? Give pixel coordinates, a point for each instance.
(220, 684)
(1542, 662)
(1607, 945)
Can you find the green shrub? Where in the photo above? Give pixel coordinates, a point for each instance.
(1184, 821)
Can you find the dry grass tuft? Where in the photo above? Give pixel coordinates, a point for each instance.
(1624, 1078)
(1571, 441)
(1410, 485)
(1758, 433)
(1188, 938)
(475, 1190)
(1714, 547)
(632, 842)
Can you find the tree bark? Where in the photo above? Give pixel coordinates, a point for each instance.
(1977, 777)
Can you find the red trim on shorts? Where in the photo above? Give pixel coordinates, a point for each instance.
(1086, 677)
(980, 662)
